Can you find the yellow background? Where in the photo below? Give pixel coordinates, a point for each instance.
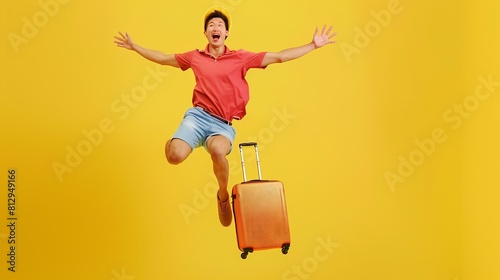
(331, 126)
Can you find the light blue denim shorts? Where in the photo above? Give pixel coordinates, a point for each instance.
(198, 126)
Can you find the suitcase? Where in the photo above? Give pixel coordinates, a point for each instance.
(260, 214)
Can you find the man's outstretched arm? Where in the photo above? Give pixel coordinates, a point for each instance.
(319, 40)
(155, 56)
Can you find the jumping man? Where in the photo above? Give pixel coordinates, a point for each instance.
(220, 94)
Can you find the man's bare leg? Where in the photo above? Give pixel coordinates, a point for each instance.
(218, 147)
(176, 151)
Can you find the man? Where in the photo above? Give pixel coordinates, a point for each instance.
(220, 95)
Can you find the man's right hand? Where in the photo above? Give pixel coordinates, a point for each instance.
(124, 41)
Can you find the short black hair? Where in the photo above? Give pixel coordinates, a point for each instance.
(217, 14)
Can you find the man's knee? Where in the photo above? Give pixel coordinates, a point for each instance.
(174, 158)
(218, 147)
(176, 151)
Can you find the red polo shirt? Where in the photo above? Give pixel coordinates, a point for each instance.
(221, 87)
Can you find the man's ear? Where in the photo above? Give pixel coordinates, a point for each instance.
(227, 33)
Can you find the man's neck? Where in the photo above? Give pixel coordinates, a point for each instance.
(216, 51)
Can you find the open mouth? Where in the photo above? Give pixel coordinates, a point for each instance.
(216, 37)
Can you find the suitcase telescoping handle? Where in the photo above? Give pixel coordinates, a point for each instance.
(246, 144)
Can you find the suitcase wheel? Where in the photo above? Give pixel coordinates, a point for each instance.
(285, 249)
(244, 255)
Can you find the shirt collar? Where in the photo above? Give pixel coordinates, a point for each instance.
(205, 51)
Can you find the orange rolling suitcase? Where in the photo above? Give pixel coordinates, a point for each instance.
(259, 210)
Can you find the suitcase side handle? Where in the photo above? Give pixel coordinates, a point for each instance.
(246, 144)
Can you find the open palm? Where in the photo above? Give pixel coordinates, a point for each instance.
(320, 40)
(124, 41)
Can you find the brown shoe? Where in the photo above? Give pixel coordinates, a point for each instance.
(225, 215)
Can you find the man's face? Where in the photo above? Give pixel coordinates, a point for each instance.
(216, 32)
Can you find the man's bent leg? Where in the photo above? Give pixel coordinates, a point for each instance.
(176, 151)
(219, 146)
